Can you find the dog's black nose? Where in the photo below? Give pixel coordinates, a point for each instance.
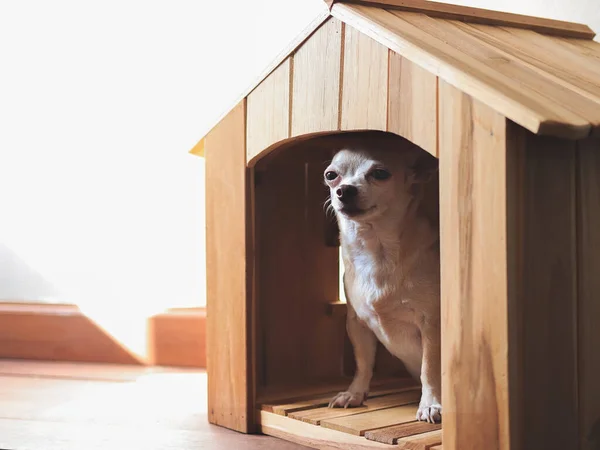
(346, 193)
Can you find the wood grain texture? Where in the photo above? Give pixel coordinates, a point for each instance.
(390, 435)
(316, 415)
(287, 409)
(300, 343)
(364, 82)
(360, 423)
(474, 292)
(539, 87)
(424, 441)
(228, 271)
(543, 294)
(312, 436)
(316, 81)
(588, 263)
(269, 110)
(412, 103)
(482, 80)
(539, 53)
(482, 16)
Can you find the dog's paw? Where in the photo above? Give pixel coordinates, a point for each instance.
(430, 413)
(348, 400)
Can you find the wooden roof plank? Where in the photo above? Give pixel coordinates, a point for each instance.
(478, 15)
(538, 87)
(584, 81)
(569, 60)
(504, 94)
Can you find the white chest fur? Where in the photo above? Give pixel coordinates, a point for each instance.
(389, 288)
(376, 284)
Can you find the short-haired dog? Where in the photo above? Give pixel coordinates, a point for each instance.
(390, 250)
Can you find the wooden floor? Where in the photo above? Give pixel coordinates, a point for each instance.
(61, 406)
(386, 421)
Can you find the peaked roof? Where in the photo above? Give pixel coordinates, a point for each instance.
(543, 74)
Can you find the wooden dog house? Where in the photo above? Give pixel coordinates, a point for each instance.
(510, 105)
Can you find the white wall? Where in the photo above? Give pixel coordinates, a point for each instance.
(100, 203)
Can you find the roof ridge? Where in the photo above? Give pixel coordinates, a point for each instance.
(479, 15)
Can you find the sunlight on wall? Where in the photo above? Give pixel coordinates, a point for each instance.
(101, 204)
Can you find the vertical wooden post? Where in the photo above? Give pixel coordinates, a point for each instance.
(588, 267)
(229, 272)
(473, 185)
(509, 282)
(543, 297)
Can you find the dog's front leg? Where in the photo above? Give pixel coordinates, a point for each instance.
(430, 407)
(364, 343)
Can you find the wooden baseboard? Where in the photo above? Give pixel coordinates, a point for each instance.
(64, 333)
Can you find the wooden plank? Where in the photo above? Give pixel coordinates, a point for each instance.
(315, 437)
(575, 53)
(315, 416)
(412, 103)
(321, 17)
(529, 109)
(544, 293)
(228, 269)
(325, 337)
(474, 292)
(198, 149)
(390, 435)
(590, 49)
(437, 447)
(316, 84)
(300, 405)
(360, 423)
(364, 82)
(337, 308)
(268, 115)
(289, 393)
(588, 263)
(508, 69)
(423, 442)
(482, 16)
(300, 342)
(577, 75)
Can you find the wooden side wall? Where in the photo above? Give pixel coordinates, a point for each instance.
(298, 275)
(473, 239)
(520, 239)
(588, 272)
(229, 298)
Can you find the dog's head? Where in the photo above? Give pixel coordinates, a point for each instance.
(366, 183)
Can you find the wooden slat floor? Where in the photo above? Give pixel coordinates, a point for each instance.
(62, 406)
(386, 418)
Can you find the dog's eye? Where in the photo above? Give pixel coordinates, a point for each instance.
(380, 174)
(330, 175)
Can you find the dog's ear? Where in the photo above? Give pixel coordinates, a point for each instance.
(424, 166)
